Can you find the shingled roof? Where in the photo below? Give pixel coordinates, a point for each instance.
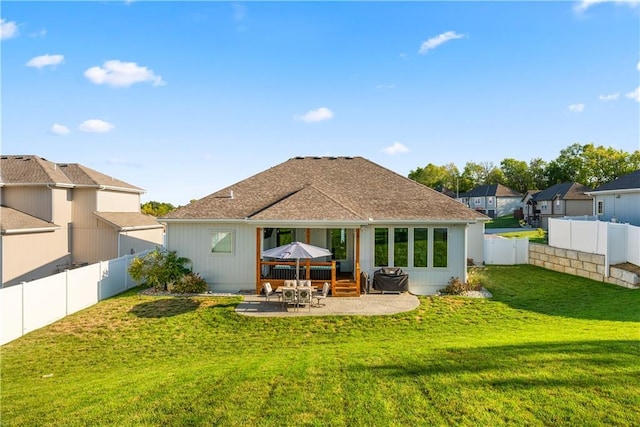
(349, 189)
(563, 191)
(125, 221)
(625, 182)
(29, 170)
(491, 190)
(12, 221)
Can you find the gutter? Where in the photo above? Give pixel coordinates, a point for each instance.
(319, 222)
(608, 192)
(30, 230)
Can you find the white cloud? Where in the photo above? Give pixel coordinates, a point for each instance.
(638, 67)
(58, 129)
(8, 29)
(122, 74)
(436, 41)
(395, 148)
(583, 5)
(45, 60)
(389, 86)
(319, 115)
(609, 97)
(95, 126)
(635, 95)
(576, 108)
(42, 33)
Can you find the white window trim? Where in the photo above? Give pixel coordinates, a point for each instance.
(233, 243)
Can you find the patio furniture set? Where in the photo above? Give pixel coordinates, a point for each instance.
(296, 293)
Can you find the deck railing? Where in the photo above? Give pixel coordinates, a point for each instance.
(276, 272)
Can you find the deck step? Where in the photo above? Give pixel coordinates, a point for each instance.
(346, 289)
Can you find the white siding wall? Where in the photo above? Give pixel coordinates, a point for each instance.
(423, 281)
(506, 205)
(223, 273)
(232, 273)
(115, 201)
(624, 209)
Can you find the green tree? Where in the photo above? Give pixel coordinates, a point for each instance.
(159, 268)
(516, 174)
(156, 208)
(430, 175)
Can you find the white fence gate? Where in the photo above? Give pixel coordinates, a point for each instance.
(503, 251)
(32, 305)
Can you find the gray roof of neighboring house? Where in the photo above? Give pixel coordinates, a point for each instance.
(625, 182)
(14, 221)
(494, 190)
(563, 191)
(129, 220)
(349, 189)
(25, 170)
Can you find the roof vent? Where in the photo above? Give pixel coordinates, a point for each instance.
(231, 194)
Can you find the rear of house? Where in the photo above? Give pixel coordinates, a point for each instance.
(366, 215)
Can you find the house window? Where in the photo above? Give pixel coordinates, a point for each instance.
(401, 247)
(420, 247)
(338, 239)
(558, 203)
(222, 242)
(600, 207)
(440, 247)
(490, 200)
(381, 247)
(543, 206)
(284, 236)
(477, 201)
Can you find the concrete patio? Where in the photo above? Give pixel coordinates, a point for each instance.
(365, 305)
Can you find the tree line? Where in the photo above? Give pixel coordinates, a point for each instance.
(586, 164)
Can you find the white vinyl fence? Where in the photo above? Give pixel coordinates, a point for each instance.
(32, 305)
(503, 251)
(617, 242)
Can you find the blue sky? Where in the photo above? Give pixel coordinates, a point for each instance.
(183, 99)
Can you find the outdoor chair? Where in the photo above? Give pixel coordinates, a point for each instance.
(267, 290)
(324, 294)
(288, 296)
(290, 284)
(304, 283)
(304, 297)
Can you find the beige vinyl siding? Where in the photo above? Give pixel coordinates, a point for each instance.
(83, 240)
(32, 256)
(35, 201)
(579, 207)
(113, 201)
(140, 240)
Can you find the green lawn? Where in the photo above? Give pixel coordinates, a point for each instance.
(548, 350)
(535, 235)
(507, 221)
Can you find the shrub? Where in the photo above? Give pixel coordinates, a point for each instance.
(159, 268)
(458, 287)
(190, 283)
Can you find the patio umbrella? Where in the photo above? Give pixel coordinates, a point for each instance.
(296, 250)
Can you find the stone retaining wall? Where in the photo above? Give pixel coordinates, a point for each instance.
(582, 264)
(568, 261)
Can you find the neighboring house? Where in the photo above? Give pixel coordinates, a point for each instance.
(494, 200)
(529, 214)
(368, 216)
(565, 199)
(58, 215)
(618, 200)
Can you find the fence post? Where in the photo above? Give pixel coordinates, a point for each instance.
(22, 299)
